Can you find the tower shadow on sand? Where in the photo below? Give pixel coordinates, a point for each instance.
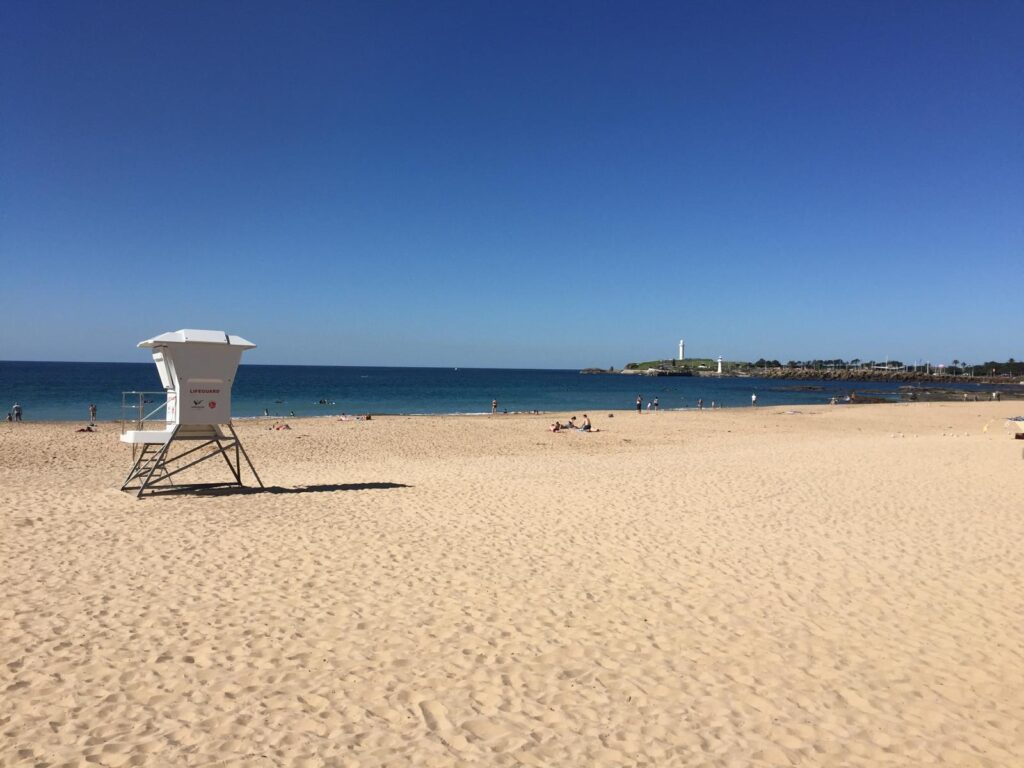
(246, 491)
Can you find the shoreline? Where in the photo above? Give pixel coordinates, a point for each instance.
(872, 398)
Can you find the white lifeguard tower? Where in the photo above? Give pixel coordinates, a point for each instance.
(197, 369)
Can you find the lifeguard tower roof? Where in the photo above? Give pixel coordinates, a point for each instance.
(193, 336)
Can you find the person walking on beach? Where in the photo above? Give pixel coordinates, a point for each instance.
(16, 410)
(494, 406)
(753, 399)
(92, 414)
(639, 403)
(700, 403)
(655, 403)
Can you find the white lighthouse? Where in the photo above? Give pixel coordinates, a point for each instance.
(719, 365)
(682, 350)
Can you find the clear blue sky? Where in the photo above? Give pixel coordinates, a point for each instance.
(513, 184)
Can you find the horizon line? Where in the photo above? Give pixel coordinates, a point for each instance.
(916, 363)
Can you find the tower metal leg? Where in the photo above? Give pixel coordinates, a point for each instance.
(236, 471)
(238, 444)
(135, 467)
(153, 464)
(157, 461)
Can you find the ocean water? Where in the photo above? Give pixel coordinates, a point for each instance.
(63, 391)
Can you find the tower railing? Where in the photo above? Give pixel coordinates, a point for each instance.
(138, 408)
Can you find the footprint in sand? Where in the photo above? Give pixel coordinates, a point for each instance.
(484, 729)
(435, 716)
(856, 701)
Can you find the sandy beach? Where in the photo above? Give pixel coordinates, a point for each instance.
(813, 586)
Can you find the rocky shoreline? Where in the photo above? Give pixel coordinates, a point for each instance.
(811, 374)
(861, 374)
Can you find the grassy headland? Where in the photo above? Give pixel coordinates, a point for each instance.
(1008, 373)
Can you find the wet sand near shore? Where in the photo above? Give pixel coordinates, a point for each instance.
(807, 585)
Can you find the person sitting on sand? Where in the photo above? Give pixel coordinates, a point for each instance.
(556, 427)
(585, 426)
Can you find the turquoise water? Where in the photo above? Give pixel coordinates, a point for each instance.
(63, 391)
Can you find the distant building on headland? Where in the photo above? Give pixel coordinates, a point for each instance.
(682, 350)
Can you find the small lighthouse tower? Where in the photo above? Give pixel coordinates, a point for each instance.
(682, 350)
(719, 365)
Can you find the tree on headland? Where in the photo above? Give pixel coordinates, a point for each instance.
(991, 368)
